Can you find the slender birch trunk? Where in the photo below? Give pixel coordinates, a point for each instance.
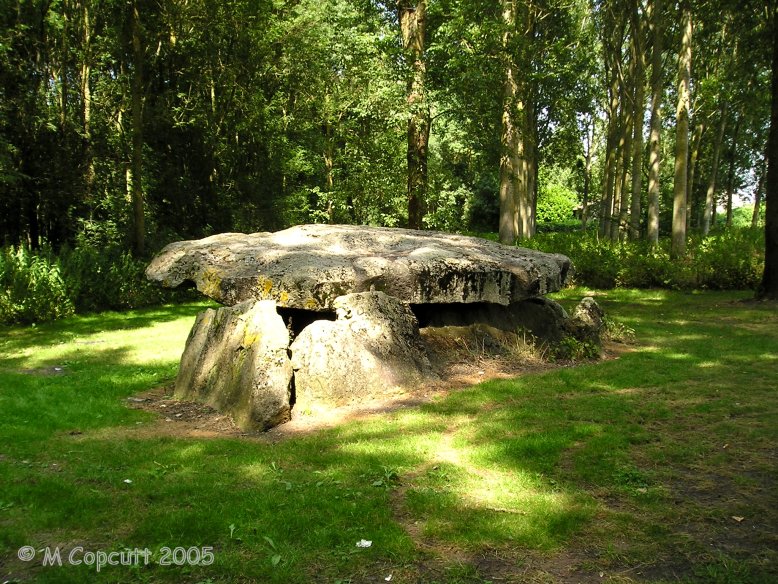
(678, 245)
(654, 159)
(710, 195)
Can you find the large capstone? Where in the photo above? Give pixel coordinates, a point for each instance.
(309, 266)
(372, 349)
(236, 360)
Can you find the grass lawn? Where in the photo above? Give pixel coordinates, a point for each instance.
(657, 466)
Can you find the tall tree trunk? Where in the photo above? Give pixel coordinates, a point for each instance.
(64, 86)
(329, 163)
(413, 16)
(758, 193)
(731, 173)
(523, 203)
(637, 135)
(525, 125)
(678, 246)
(769, 286)
(699, 131)
(588, 140)
(710, 195)
(625, 142)
(622, 194)
(139, 221)
(655, 151)
(609, 178)
(509, 137)
(86, 100)
(525, 186)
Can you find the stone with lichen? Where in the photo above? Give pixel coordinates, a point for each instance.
(309, 266)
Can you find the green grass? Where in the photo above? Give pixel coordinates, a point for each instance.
(632, 467)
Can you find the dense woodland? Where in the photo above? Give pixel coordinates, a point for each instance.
(132, 123)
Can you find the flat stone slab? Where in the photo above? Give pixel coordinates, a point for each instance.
(309, 266)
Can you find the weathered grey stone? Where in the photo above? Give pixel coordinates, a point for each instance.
(543, 317)
(310, 266)
(236, 360)
(587, 321)
(373, 347)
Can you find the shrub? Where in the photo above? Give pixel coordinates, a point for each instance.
(109, 278)
(732, 259)
(32, 288)
(556, 198)
(39, 286)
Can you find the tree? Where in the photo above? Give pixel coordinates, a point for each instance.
(710, 196)
(136, 190)
(639, 108)
(509, 132)
(655, 152)
(769, 286)
(413, 18)
(678, 247)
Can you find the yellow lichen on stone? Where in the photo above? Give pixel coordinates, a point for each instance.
(264, 287)
(210, 283)
(283, 297)
(249, 337)
(311, 304)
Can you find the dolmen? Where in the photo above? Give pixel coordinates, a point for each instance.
(321, 316)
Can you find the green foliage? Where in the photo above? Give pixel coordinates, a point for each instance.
(108, 278)
(32, 288)
(741, 216)
(449, 209)
(729, 260)
(556, 197)
(41, 286)
(572, 349)
(617, 331)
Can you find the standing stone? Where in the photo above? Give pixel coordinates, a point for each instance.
(236, 361)
(372, 348)
(587, 321)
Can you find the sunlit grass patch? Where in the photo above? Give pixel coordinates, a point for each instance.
(630, 466)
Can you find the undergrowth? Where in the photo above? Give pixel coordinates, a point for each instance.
(731, 259)
(39, 286)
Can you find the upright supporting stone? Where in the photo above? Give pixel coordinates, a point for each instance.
(236, 360)
(587, 321)
(373, 347)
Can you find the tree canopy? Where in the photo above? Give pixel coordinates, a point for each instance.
(140, 122)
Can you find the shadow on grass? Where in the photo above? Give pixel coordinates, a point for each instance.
(533, 463)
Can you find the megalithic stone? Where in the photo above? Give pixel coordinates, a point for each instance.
(371, 349)
(309, 266)
(236, 360)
